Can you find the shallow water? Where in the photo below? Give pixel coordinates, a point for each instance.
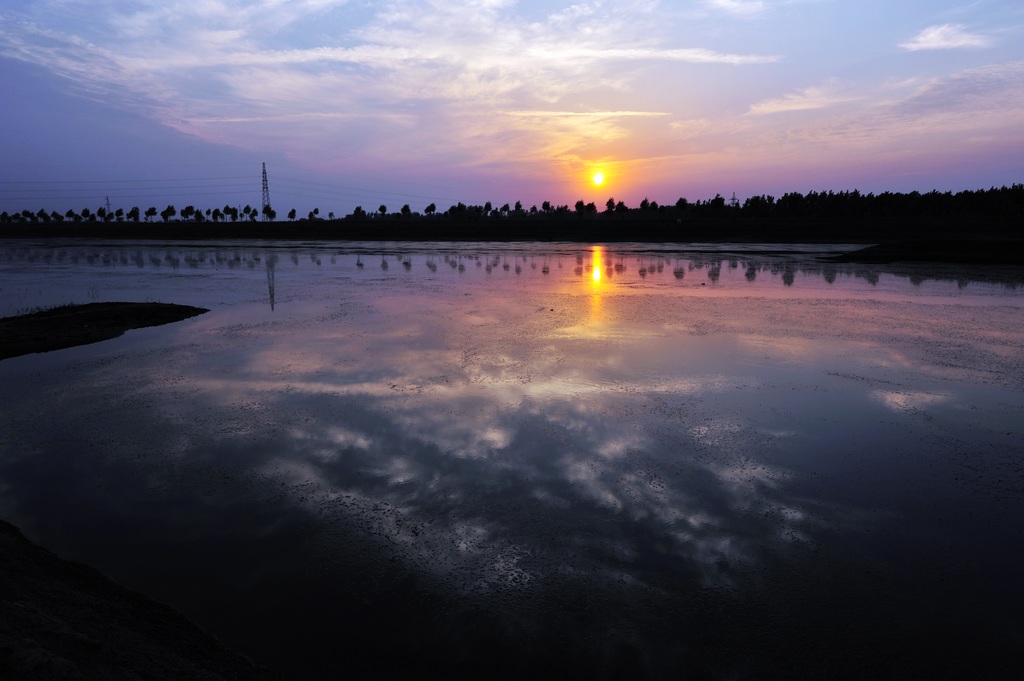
(497, 459)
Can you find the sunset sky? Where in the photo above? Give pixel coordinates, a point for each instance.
(152, 102)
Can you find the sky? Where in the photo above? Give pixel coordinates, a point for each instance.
(157, 102)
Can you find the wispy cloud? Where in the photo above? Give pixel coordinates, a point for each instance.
(945, 37)
(806, 100)
(738, 7)
(255, 63)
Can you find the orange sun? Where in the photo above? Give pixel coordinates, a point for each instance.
(598, 179)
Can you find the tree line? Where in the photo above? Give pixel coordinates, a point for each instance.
(1003, 201)
(783, 216)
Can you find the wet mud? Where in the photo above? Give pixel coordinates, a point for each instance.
(69, 325)
(725, 466)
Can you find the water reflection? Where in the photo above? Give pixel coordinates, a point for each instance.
(593, 469)
(758, 270)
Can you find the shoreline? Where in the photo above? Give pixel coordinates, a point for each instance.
(72, 325)
(61, 619)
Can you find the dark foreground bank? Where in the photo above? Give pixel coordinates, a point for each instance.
(61, 620)
(71, 325)
(955, 251)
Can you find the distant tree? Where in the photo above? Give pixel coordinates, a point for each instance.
(406, 211)
(291, 214)
(358, 212)
(269, 213)
(383, 210)
(316, 213)
(119, 214)
(609, 205)
(591, 207)
(620, 207)
(654, 205)
(216, 215)
(430, 210)
(71, 215)
(42, 215)
(133, 214)
(101, 213)
(187, 212)
(56, 217)
(546, 206)
(330, 215)
(487, 208)
(87, 214)
(519, 207)
(150, 213)
(504, 210)
(167, 213)
(645, 204)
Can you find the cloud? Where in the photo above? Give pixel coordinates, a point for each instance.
(322, 70)
(808, 99)
(945, 37)
(738, 7)
(948, 115)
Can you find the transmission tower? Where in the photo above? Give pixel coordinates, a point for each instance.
(266, 194)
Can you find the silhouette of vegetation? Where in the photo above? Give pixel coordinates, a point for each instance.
(846, 216)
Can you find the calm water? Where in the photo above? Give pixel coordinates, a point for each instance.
(538, 460)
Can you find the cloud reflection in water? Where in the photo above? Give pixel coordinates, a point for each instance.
(620, 457)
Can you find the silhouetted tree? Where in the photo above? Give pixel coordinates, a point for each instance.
(383, 210)
(291, 214)
(150, 213)
(167, 213)
(430, 210)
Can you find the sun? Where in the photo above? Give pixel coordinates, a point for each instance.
(598, 179)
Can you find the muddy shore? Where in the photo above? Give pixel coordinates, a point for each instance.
(64, 620)
(71, 325)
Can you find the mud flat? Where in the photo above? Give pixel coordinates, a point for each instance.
(64, 620)
(68, 326)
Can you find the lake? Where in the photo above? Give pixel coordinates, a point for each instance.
(547, 460)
